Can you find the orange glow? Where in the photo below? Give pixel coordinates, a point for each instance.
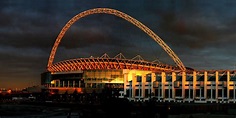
(79, 90)
(9, 91)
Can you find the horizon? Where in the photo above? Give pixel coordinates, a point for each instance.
(201, 33)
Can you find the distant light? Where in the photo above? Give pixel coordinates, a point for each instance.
(52, 82)
(9, 91)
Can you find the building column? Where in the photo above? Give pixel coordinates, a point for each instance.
(172, 87)
(194, 83)
(134, 82)
(143, 81)
(205, 84)
(153, 79)
(125, 82)
(183, 84)
(125, 73)
(228, 83)
(163, 78)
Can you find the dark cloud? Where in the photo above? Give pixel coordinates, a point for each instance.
(201, 33)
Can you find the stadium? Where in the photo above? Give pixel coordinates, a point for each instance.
(136, 79)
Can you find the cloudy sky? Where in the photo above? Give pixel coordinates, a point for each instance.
(202, 34)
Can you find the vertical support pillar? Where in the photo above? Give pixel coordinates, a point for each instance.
(163, 78)
(153, 79)
(205, 84)
(194, 83)
(228, 83)
(173, 87)
(217, 87)
(134, 82)
(143, 81)
(183, 84)
(125, 73)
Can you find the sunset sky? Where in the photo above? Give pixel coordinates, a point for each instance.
(202, 33)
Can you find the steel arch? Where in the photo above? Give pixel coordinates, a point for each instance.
(121, 15)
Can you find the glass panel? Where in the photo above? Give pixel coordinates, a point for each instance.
(168, 78)
(148, 78)
(139, 78)
(158, 78)
(178, 92)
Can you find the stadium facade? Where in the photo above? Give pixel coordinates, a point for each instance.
(136, 79)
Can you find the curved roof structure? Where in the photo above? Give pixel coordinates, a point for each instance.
(105, 62)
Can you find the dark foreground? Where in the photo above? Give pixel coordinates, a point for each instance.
(115, 108)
